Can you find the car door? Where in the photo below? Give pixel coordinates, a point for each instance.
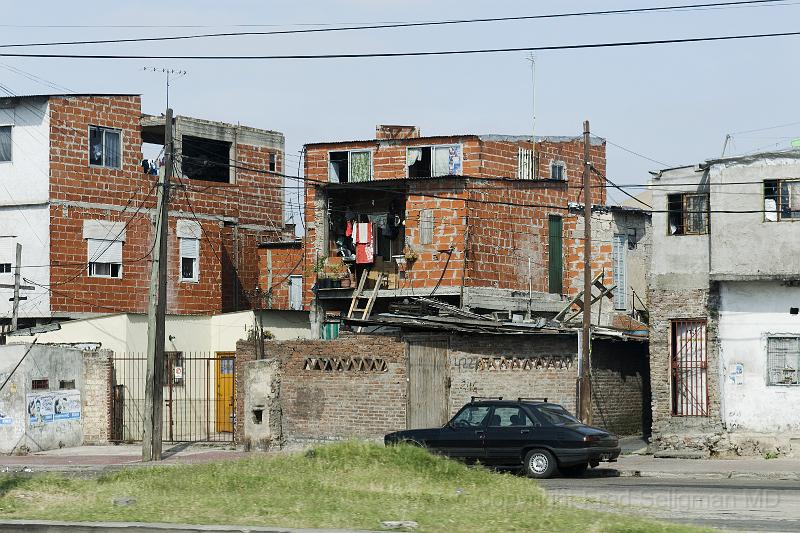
(508, 431)
(463, 437)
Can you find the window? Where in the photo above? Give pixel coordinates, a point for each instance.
(619, 253)
(783, 360)
(190, 254)
(105, 147)
(350, 167)
(433, 161)
(7, 254)
(40, 384)
(272, 162)
(206, 159)
(66, 384)
(558, 170)
(296, 293)
(509, 417)
(426, 226)
(5, 268)
(5, 144)
(555, 415)
(104, 258)
(781, 200)
(526, 164)
(687, 214)
(689, 368)
(471, 416)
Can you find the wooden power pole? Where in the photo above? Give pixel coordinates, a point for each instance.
(156, 311)
(584, 384)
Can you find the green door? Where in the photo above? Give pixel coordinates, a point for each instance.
(555, 261)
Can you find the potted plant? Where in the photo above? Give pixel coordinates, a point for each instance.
(334, 274)
(346, 278)
(409, 254)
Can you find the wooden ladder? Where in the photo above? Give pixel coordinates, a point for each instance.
(359, 295)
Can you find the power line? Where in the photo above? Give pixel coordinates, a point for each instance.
(626, 193)
(617, 44)
(402, 24)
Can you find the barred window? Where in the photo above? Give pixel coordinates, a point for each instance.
(783, 360)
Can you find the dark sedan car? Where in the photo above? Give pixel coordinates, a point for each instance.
(539, 436)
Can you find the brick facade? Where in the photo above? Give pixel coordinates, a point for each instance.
(235, 217)
(277, 262)
(495, 224)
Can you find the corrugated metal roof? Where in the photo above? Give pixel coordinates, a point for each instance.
(596, 141)
(65, 95)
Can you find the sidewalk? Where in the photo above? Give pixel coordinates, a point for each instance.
(91, 460)
(743, 467)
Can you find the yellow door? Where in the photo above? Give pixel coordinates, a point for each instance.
(226, 387)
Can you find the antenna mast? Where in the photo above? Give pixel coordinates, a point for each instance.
(167, 72)
(532, 59)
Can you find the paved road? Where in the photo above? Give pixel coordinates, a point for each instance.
(732, 504)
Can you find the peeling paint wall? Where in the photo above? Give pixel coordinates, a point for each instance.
(749, 312)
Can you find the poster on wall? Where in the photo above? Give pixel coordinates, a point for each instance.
(5, 418)
(40, 408)
(67, 405)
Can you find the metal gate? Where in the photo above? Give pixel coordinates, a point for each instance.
(689, 368)
(428, 392)
(199, 397)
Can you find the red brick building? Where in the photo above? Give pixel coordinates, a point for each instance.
(481, 221)
(97, 202)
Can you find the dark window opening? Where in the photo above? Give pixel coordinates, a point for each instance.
(66, 384)
(40, 384)
(206, 159)
(339, 167)
(258, 416)
(105, 270)
(794, 310)
(105, 147)
(687, 214)
(781, 200)
(5, 143)
(273, 159)
(420, 162)
(5, 268)
(558, 170)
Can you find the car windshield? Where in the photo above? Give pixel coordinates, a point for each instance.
(556, 415)
(471, 416)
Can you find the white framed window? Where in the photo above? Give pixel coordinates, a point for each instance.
(350, 166)
(619, 253)
(783, 360)
(558, 170)
(434, 161)
(190, 258)
(105, 147)
(104, 258)
(5, 144)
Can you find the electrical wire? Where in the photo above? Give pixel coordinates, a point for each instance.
(401, 24)
(582, 46)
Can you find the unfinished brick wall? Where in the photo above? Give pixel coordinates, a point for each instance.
(96, 396)
(495, 222)
(336, 404)
(621, 386)
(276, 263)
(228, 270)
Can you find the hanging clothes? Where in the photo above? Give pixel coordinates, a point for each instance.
(349, 231)
(365, 247)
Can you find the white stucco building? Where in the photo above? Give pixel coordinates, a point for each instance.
(725, 304)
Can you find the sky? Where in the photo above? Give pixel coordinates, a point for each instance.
(660, 106)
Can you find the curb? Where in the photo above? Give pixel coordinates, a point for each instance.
(785, 476)
(51, 526)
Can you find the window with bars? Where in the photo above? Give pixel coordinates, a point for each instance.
(5, 144)
(687, 214)
(105, 147)
(689, 364)
(558, 170)
(783, 360)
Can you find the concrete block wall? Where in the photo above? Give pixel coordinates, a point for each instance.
(96, 397)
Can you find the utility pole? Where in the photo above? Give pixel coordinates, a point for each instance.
(584, 384)
(156, 311)
(15, 307)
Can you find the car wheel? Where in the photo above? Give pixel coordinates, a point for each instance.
(575, 470)
(539, 464)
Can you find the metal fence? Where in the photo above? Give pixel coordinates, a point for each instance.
(689, 368)
(199, 397)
